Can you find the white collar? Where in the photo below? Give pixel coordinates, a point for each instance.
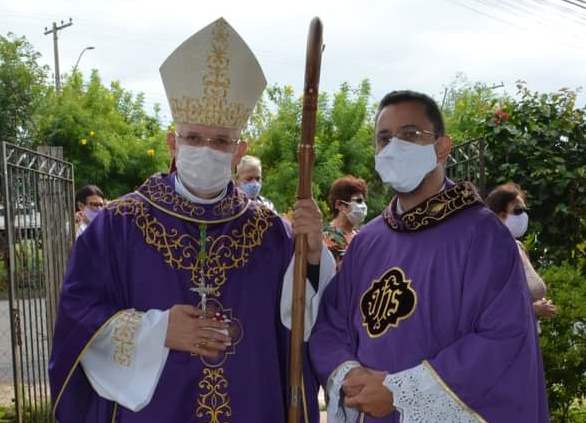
(184, 192)
(400, 210)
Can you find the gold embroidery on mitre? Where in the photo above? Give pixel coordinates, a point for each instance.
(124, 336)
(213, 402)
(180, 250)
(389, 300)
(213, 108)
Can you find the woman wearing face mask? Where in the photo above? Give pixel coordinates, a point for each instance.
(508, 202)
(348, 205)
(249, 180)
(89, 201)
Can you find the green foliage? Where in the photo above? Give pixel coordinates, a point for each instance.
(32, 413)
(539, 142)
(465, 107)
(343, 143)
(22, 89)
(106, 133)
(563, 341)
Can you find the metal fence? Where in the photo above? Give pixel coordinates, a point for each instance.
(37, 232)
(467, 163)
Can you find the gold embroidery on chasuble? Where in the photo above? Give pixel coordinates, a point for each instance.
(435, 209)
(180, 250)
(389, 300)
(213, 402)
(156, 191)
(235, 331)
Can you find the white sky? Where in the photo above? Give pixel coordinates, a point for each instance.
(397, 44)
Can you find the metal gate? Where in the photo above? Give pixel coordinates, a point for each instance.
(38, 225)
(467, 163)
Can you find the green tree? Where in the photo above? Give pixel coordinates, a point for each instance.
(22, 89)
(539, 141)
(465, 106)
(343, 143)
(105, 132)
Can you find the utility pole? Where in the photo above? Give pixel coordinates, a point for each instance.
(54, 31)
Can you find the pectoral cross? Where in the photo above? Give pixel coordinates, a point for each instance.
(202, 289)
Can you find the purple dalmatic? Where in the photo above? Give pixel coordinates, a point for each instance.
(143, 253)
(436, 297)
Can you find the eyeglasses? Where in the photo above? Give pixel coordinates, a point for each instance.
(357, 200)
(407, 133)
(220, 143)
(520, 210)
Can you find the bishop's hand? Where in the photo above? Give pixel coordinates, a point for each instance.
(189, 330)
(365, 391)
(307, 220)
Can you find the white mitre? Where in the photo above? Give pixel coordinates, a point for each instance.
(213, 78)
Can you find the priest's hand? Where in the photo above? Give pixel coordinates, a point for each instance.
(189, 330)
(365, 391)
(307, 220)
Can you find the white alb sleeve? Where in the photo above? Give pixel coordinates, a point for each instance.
(327, 270)
(337, 413)
(125, 360)
(420, 397)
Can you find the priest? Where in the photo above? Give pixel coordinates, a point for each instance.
(429, 318)
(176, 303)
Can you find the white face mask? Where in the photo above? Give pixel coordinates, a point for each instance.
(204, 170)
(403, 165)
(357, 212)
(517, 224)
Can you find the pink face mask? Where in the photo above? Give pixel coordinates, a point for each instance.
(90, 213)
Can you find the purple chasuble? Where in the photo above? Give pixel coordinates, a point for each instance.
(441, 284)
(141, 252)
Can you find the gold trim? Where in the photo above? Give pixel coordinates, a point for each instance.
(78, 359)
(181, 250)
(444, 385)
(191, 219)
(214, 401)
(384, 308)
(435, 209)
(114, 414)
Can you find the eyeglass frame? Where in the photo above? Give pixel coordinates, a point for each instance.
(229, 144)
(383, 142)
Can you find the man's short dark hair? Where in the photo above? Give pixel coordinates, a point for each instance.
(87, 191)
(431, 108)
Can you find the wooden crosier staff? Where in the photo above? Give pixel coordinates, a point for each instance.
(306, 156)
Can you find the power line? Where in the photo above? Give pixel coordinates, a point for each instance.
(475, 10)
(581, 6)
